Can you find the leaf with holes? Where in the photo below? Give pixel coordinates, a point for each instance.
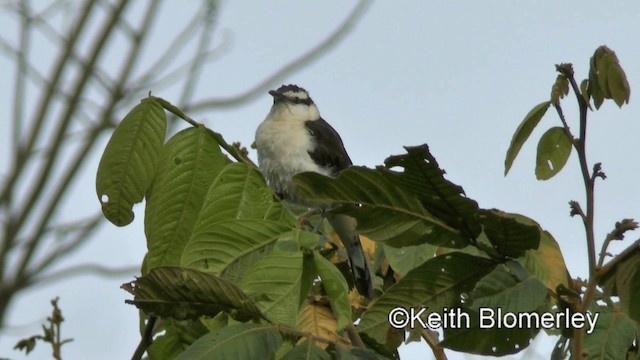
(406, 208)
(508, 236)
(129, 161)
(182, 294)
(437, 284)
(554, 149)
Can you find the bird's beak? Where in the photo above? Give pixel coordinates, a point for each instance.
(276, 95)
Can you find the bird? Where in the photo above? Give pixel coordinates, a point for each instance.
(294, 138)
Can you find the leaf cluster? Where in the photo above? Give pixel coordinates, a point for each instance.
(231, 271)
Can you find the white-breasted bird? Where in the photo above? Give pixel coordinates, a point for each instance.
(294, 138)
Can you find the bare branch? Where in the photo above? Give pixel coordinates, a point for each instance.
(87, 269)
(313, 54)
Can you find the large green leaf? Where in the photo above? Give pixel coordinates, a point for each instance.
(129, 161)
(337, 289)
(240, 192)
(546, 262)
(274, 284)
(232, 244)
(613, 336)
(243, 341)
(403, 260)
(188, 164)
(489, 340)
(176, 337)
(511, 292)
(181, 294)
(438, 283)
(239, 222)
(423, 177)
(398, 208)
(508, 236)
(554, 149)
(308, 350)
(525, 129)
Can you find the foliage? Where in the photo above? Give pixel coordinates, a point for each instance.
(232, 272)
(52, 334)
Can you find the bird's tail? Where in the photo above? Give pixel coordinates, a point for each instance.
(345, 227)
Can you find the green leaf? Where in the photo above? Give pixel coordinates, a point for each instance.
(554, 149)
(307, 351)
(129, 161)
(240, 192)
(243, 341)
(607, 80)
(183, 294)
(546, 262)
(612, 337)
(274, 284)
(508, 236)
(177, 337)
(398, 208)
(188, 164)
(438, 283)
(523, 132)
(404, 259)
(447, 201)
(618, 85)
(494, 341)
(337, 289)
(624, 281)
(502, 289)
(507, 289)
(232, 246)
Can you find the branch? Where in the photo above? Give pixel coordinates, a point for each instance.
(86, 269)
(438, 351)
(354, 336)
(19, 161)
(231, 149)
(313, 54)
(146, 340)
(567, 71)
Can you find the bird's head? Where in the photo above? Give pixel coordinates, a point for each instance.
(292, 94)
(292, 101)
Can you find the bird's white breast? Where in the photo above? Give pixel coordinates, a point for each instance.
(283, 143)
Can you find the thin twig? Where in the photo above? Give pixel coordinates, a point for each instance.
(87, 269)
(313, 54)
(44, 105)
(233, 151)
(44, 174)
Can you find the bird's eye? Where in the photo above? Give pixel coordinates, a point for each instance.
(311, 132)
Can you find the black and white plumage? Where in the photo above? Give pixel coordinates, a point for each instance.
(293, 138)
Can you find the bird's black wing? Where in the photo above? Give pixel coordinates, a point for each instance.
(329, 150)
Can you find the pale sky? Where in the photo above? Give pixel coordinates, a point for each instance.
(459, 76)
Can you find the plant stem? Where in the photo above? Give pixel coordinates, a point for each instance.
(146, 340)
(567, 71)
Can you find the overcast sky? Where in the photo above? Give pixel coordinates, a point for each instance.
(459, 76)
